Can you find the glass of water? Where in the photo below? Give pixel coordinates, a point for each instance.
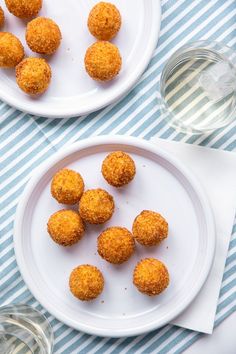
(198, 87)
(24, 330)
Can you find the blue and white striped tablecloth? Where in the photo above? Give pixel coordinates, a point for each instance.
(26, 141)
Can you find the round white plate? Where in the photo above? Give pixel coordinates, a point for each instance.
(72, 92)
(161, 184)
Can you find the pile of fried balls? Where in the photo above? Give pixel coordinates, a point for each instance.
(115, 244)
(43, 36)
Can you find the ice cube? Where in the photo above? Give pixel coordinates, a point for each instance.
(218, 81)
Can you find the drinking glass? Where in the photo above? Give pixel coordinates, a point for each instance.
(198, 87)
(23, 330)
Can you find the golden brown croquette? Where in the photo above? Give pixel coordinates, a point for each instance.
(86, 282)
(67, 186)
(118, 169)
(115, 245)
(102, 61)
(43, 35)
(96, 206)
(24, 8)
(2, 17)
(66, 227)
(104, 21)
(150, 228)
(11, 50)
(33, 75)
(151, 276)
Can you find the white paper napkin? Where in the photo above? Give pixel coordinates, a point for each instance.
(216, 170)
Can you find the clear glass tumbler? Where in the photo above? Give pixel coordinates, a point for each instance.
(24, 330)
(198, 87)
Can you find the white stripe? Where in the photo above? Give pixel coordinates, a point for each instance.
(159, 347)
(183, 342)
(227, 295)
(103, 342)
(141, 121)
(5, 251)
(5, 237)
(72, 341)
(230, 265)
(19, 130)
(11, 298)
(228, 142)
(8, 276)
(17, 146)
(137, 111)
(228, 280)
(31, 148)
(125, 121)
(10, 287)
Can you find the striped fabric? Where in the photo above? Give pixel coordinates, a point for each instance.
(26, 141)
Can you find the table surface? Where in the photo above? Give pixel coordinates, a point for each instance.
(25, 142)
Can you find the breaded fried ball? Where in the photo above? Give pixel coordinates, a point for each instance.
(102, 61)
(33, 75)
(86, 282)
(24, 8)
(150, 228)
(66, 227)
(104, 21)
(118, 169)
(115, 245)
(11, 50)
(2, 17)
(43, 35)
(151, 276)
(67, 186)
(96, 206)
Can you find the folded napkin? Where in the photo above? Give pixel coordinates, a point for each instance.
(216, 170)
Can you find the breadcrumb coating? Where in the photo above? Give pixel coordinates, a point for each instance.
(11, 50)
(104, 21)
(96, 206)
(86, 282)
(149, 228)
(118, 169)
(24, 8)
(43, 35)
(2, 17)
(102, 61)
(116, 245)
(67, 186)
(65, 227)
(151, 276)
(33, 75)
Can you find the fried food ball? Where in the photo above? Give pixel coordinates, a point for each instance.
(102, 61)
(2, 17)
(43, 35)
(66, 227)
(150, 228)
(86, 282)
(24, 8)
(33, 75)
(11, 50)
(115, 245)
(96, 206)
(104, 21)
(67, 186)
(151, 276)
(118, 169)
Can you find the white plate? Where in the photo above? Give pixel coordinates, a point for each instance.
(72, 92)
(161, 184)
